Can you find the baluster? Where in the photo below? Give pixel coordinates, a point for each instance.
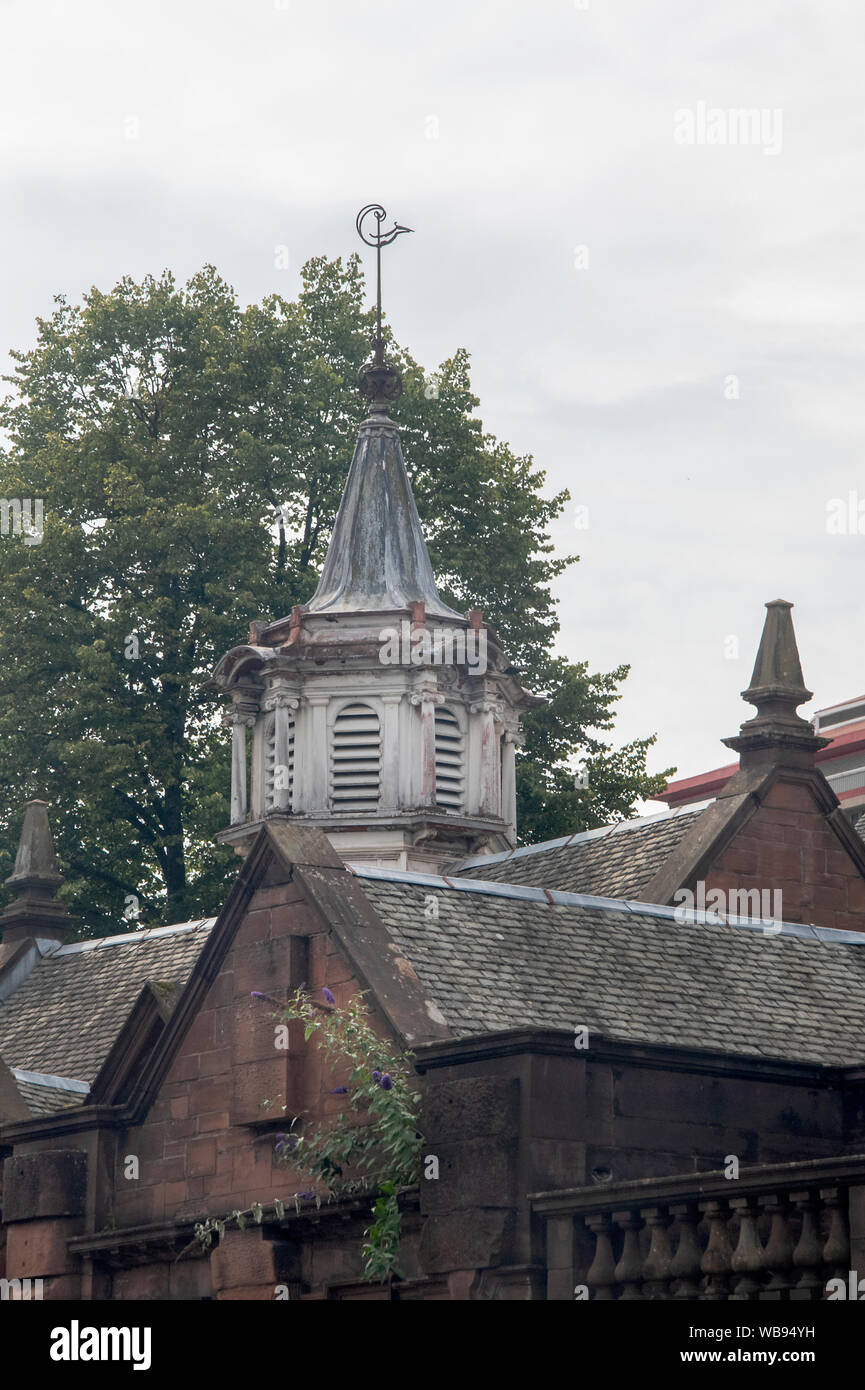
(778, 1254)
(747, 1258)
(685, 1265)
(836, 1251)
(601, 1274)
(717, 1255)
(656, 1267)
(808, 1255)
(629, 1270)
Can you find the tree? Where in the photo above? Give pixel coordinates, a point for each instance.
(190, 455)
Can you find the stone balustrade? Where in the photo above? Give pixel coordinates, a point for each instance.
(778, 1231)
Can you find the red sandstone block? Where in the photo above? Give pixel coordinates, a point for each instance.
(196, 1187)
(201, 1156)
(216, 1063)
(221, 1186)
(243, 1260)
(262, 966)
(35, 1249)
(182, 1129)
(179, 1107)
(184, 1067)
(199, 1037)
(275, 896)
(790, 796)
(254, 927)
(759, 830)
(175, 1193)
(813, 862)
(741, 858)
(169, 1170)
(223, 1024)
(856, 895)
(777, 861)
(62, 1288)
(832, 881)
(257, 1082)
(839, 862)
(221, 992)
(150, 1141)
(296, 919)
(210, 1093)
(849, 921)
(828, 899)
(802, 836)
(215, 1120)
(175, 1148)
(225, 1157)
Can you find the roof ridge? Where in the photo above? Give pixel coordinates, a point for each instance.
(132, 938)
(581, 836)
(556, 897)
(57, 1083)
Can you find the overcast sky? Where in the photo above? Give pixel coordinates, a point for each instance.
(663, 301)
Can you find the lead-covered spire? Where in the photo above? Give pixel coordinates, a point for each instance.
(377, 559)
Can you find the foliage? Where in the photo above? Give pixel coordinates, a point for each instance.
(372, 1147)
(191, 454)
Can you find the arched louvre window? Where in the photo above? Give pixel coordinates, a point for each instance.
(450, 769)
(356, 759)
(286, 777)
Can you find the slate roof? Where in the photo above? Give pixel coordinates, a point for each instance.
(44, 1099)
(493, 961)
(615, 861)
(66, 1015)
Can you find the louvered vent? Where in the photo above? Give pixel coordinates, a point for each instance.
(270, 762)
(356, 759)
(449, 760)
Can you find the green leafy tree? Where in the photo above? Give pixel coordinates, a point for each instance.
(190, 455)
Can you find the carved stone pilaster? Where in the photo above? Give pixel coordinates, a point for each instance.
(239, 719)
(283, 704)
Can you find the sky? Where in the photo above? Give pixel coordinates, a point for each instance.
(642, 221)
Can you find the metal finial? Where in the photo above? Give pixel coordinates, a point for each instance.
(378, 382)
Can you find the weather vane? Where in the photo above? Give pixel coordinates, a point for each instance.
(378, 382)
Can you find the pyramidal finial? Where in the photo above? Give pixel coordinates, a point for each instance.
(777, 688)
(35, 880)
(777, 671)
(35, 862)
(378, 382)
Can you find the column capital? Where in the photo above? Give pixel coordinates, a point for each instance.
(238, 718)
(281, 699)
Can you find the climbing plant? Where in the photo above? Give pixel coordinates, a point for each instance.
(372, 1145)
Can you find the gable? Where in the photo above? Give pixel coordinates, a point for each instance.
(790, 846)
(66, 1016)
(774, 830)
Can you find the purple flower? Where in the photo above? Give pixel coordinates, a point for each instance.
(386, 1082)
(376, 1077)
(256, 995)
(331, 999)
(307, 1196)
(339, 1091)
(285, 1142)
